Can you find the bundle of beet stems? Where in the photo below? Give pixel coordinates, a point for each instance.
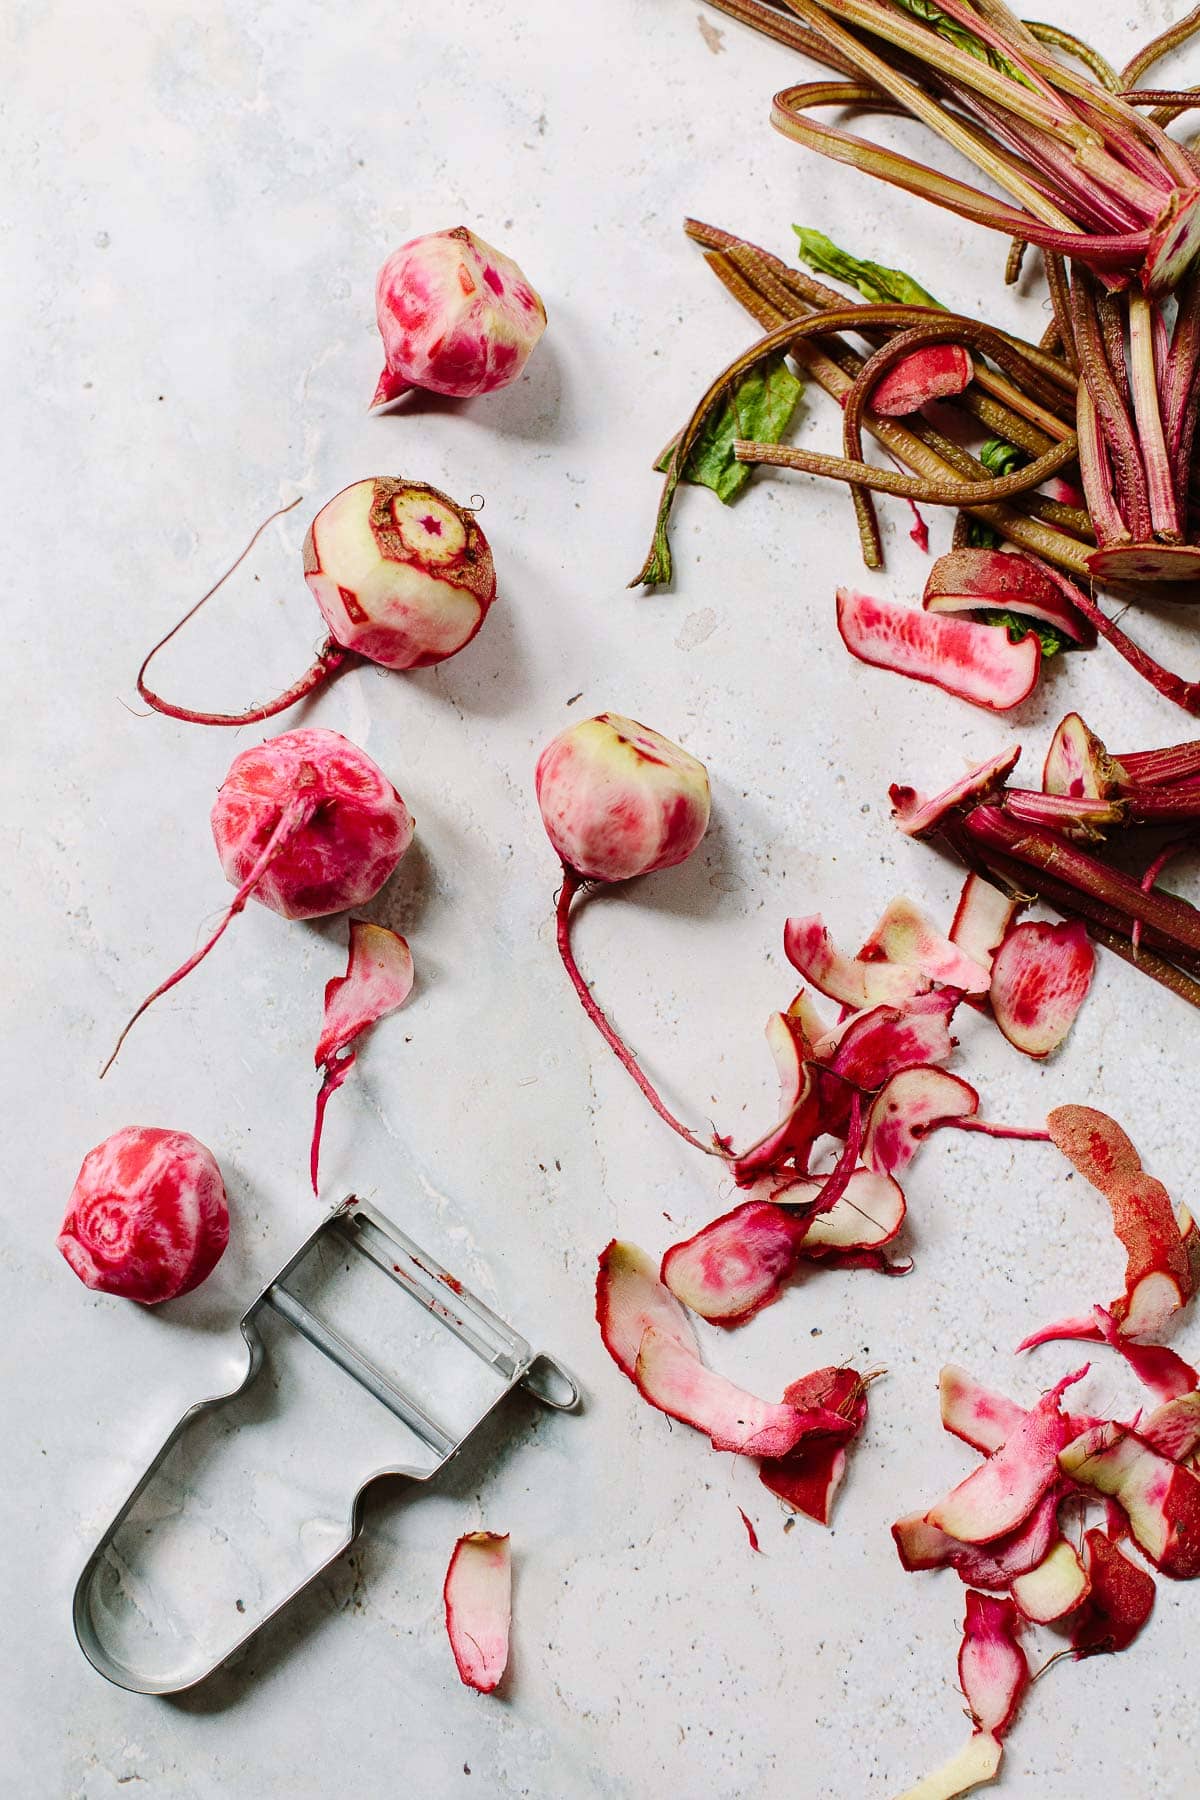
(1113, 203)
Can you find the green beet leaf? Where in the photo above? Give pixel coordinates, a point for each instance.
(760, 408)
(1052, 641)
(874, 282)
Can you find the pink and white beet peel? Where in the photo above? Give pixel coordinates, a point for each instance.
(307, 825)
(402, 574)
(618, 800)
(456, 317)
(147, 1218)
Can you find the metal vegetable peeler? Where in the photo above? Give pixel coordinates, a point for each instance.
(258, 1490)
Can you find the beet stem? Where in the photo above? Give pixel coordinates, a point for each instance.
(1149, 962)
(330, 657)
(838, 1179)
(295, 815)
(334, 1074)
(572, 885)
(989, 827)
(1026, 1134)
(1185, 694)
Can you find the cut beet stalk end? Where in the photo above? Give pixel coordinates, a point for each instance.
(1078, 766)
(971, 579)
(1140, 563)
(934, 373)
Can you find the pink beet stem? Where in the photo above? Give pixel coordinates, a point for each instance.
(992, 829)
(572, 884)
(1159, 768)
(335, 1073)
(1167, 854)
(295, 815)
(330, 658)
(1028, 1134)
(1161, 805)
(838, 1178)
(1172, 687)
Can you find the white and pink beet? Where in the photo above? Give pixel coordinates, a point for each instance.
(620, 800)
(456, 317)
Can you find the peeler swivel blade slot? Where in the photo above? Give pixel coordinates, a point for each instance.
(333, 1345)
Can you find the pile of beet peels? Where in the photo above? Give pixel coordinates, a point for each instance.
(1046, 1531)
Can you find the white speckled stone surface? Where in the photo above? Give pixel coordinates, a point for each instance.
(200, 197)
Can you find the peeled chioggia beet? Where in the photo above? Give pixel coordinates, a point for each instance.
(456, 317)
(147, 1218)
(355, 832)
(402, 574)
(617, 801)
(620, 800)
(307, 825)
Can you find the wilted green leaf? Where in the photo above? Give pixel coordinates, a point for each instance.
(874, 282)
(760, 407)
(956, 33)
(1052, 641)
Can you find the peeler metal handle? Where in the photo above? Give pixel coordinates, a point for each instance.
(130, 1619)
